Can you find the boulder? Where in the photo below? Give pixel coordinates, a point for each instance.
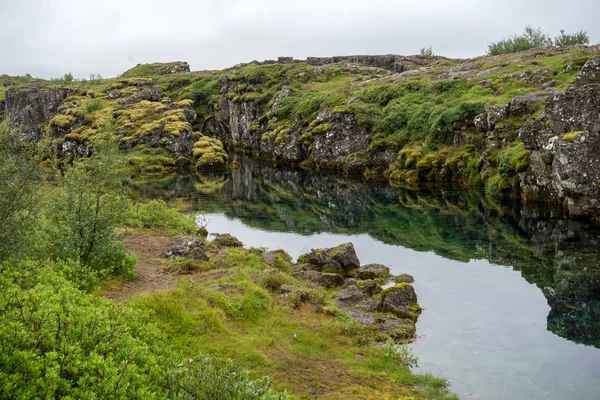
(401, 301)
(272, 256)
(323, 279)
(352, 298)
(226, 240)
(370, 287)
(404, 278)
(373, 271)
(341, 259)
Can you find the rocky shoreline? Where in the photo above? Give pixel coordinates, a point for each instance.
(385, 305)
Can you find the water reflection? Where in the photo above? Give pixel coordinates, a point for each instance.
(558, 255)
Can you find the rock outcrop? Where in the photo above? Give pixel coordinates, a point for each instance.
(390, 312)
(30, 108)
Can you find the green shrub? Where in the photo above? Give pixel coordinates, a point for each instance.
(84, 210)
(426, 51)
(19, 194)
(400, 354)
(208, 378)
(58, 342)
(157, 214)
(566, 39)
(93, 105)
(530, 39)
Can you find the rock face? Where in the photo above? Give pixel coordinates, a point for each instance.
(31, 107)
(565, 145)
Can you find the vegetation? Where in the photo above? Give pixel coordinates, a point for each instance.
(534, 38)
(426, 51)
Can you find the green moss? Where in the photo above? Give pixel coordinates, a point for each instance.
(177, 128)
(570, 136)
(62, 121)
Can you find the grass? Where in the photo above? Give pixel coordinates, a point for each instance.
(306, 353)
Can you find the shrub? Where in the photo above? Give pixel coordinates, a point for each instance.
(531, 38)
(427, 51)
(208, 378)
(19, 193)
(93, 105)
(157, 214)
(566, 39)
(399, 353)
(85, 209)
(58, 342)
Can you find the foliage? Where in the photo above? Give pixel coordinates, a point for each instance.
(213, 379)
(57, 341)
(531, 38)
(399, 353)
(569, 39)
(426, 51)
(157, 214)
(85, 209)
(19, 193)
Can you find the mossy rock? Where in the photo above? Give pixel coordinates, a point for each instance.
(401, 301)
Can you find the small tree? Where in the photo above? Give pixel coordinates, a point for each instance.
(566, 39)
(19, 193)
(68, 77)
(427, 51)
(86, 208)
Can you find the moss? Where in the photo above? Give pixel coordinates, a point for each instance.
(62, 121)
(177, 128)
(570, 136)
(185, 103)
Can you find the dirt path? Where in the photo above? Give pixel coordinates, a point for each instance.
(150, 250)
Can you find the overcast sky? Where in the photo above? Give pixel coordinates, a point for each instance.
(47, 38)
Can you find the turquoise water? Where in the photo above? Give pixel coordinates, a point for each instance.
(511, 296)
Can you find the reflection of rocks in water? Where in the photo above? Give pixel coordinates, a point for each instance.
(560, 256)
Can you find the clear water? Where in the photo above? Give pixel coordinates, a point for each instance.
(511, 296)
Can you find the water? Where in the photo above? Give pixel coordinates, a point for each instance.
(511, 295)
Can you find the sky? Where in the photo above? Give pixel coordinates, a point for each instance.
(48, 38)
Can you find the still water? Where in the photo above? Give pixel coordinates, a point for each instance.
(511, 295)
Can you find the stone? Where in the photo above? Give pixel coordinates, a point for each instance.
(29, 108)
(340, 259)
(373, 271)
(323, 279)
(401, 301)
(271, 256)
(404, 278)
(226, 240)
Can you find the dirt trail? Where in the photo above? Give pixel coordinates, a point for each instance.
(150, 250)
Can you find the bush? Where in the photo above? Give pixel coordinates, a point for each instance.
(399, 353)
(531, 38)
(19, 194)
(427, 51)
(85, 209)
(157, 214)
(56, 342)
(211, 379)
(566, 39)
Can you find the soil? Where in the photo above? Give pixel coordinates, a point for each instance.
(151, 275)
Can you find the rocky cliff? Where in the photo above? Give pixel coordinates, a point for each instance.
(522, 126)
